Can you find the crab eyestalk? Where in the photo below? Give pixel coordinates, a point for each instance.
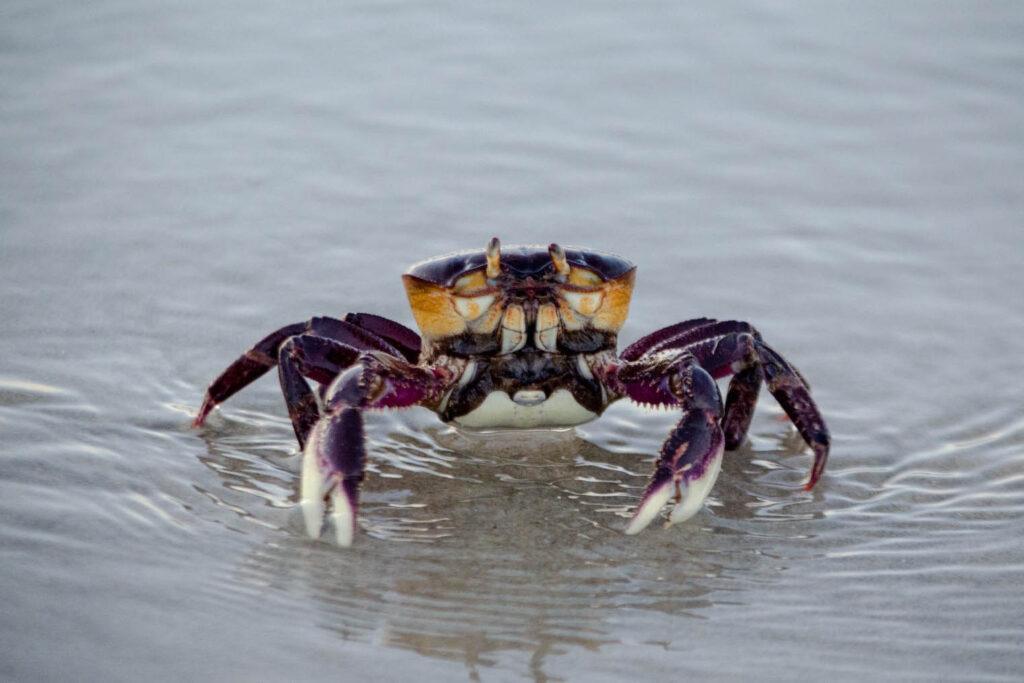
(558, 258)
(493, 258)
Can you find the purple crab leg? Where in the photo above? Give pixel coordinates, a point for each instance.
(740, 401)
(733, 353)
(249, 367)
(396, 334)
(753, 360)
(682, 335)
(255, 362)
(789, 389)
(644, 344)
(335, 454)
(321, 360)
(691, 457)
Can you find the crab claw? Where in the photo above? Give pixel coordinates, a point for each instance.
(332, 469)
(687, 469)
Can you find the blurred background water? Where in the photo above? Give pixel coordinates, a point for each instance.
(178, 179)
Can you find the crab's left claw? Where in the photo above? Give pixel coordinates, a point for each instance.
(332, 469)
(687, 469)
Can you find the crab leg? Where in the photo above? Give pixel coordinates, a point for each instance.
(361, 331)
(793, 394)
(683, 334)
(246, 369)
(318, 358)
(396, 334)
(733, 353)
(727, 347)
(335, 454)
(740, 402)
(747, 355)
(691, 457)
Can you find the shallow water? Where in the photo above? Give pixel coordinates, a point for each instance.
(176, 181)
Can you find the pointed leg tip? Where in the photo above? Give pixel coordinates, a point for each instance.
(204, 412)
(820, 460)
(813, 479)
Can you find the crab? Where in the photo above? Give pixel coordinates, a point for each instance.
(521, 337)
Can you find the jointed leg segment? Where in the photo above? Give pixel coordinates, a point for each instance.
(361, 331)
(317, 358)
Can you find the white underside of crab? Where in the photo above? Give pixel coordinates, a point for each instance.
(527, 409)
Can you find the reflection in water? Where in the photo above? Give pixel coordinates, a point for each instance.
(431, 606)
(517, 545)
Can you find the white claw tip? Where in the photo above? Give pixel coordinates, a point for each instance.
(344, 518)
(650, 508)
(697, 492)
(311, 496)
(692, 497)
(313, 515)
(315, 490)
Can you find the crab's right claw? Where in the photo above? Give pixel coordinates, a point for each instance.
(687, 469)
(332, 469)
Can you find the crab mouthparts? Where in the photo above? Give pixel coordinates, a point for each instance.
(529, 287)
(529, 397)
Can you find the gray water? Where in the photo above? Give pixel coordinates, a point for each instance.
(178, 179)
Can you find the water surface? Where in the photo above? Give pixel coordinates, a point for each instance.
(178, 180)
